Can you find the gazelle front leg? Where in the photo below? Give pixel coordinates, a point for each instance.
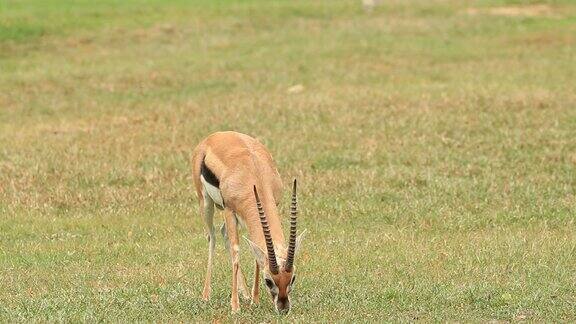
(241, 279)
(207, 213)
(234, 256)
(255, 286)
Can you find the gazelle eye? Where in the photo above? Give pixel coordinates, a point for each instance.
(269, 283)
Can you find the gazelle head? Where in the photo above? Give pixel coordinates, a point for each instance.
(278, 276)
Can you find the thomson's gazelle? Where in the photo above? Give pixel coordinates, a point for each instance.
(235, 173)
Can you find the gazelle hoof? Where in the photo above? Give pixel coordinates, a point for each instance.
(206, 295)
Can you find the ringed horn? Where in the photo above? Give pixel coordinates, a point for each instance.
(266, 229)
(292, 241)
(269, 245)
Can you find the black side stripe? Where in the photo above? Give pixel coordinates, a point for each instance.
(208, 175)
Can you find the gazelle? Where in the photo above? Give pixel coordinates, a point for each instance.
(235, 173)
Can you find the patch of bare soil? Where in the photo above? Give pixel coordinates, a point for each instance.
(539, 10)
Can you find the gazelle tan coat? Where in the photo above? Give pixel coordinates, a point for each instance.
(235, 173)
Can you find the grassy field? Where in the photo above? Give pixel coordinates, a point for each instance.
(435, 144)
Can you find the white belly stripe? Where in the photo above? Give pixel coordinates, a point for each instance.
(213, 192)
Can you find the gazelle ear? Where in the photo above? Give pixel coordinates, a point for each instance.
(257, 252)
(299, 240)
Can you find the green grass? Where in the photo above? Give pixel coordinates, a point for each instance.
(435, 149)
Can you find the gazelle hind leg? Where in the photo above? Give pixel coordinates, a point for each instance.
(232, 232)
(241, 279)
(207, 212)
